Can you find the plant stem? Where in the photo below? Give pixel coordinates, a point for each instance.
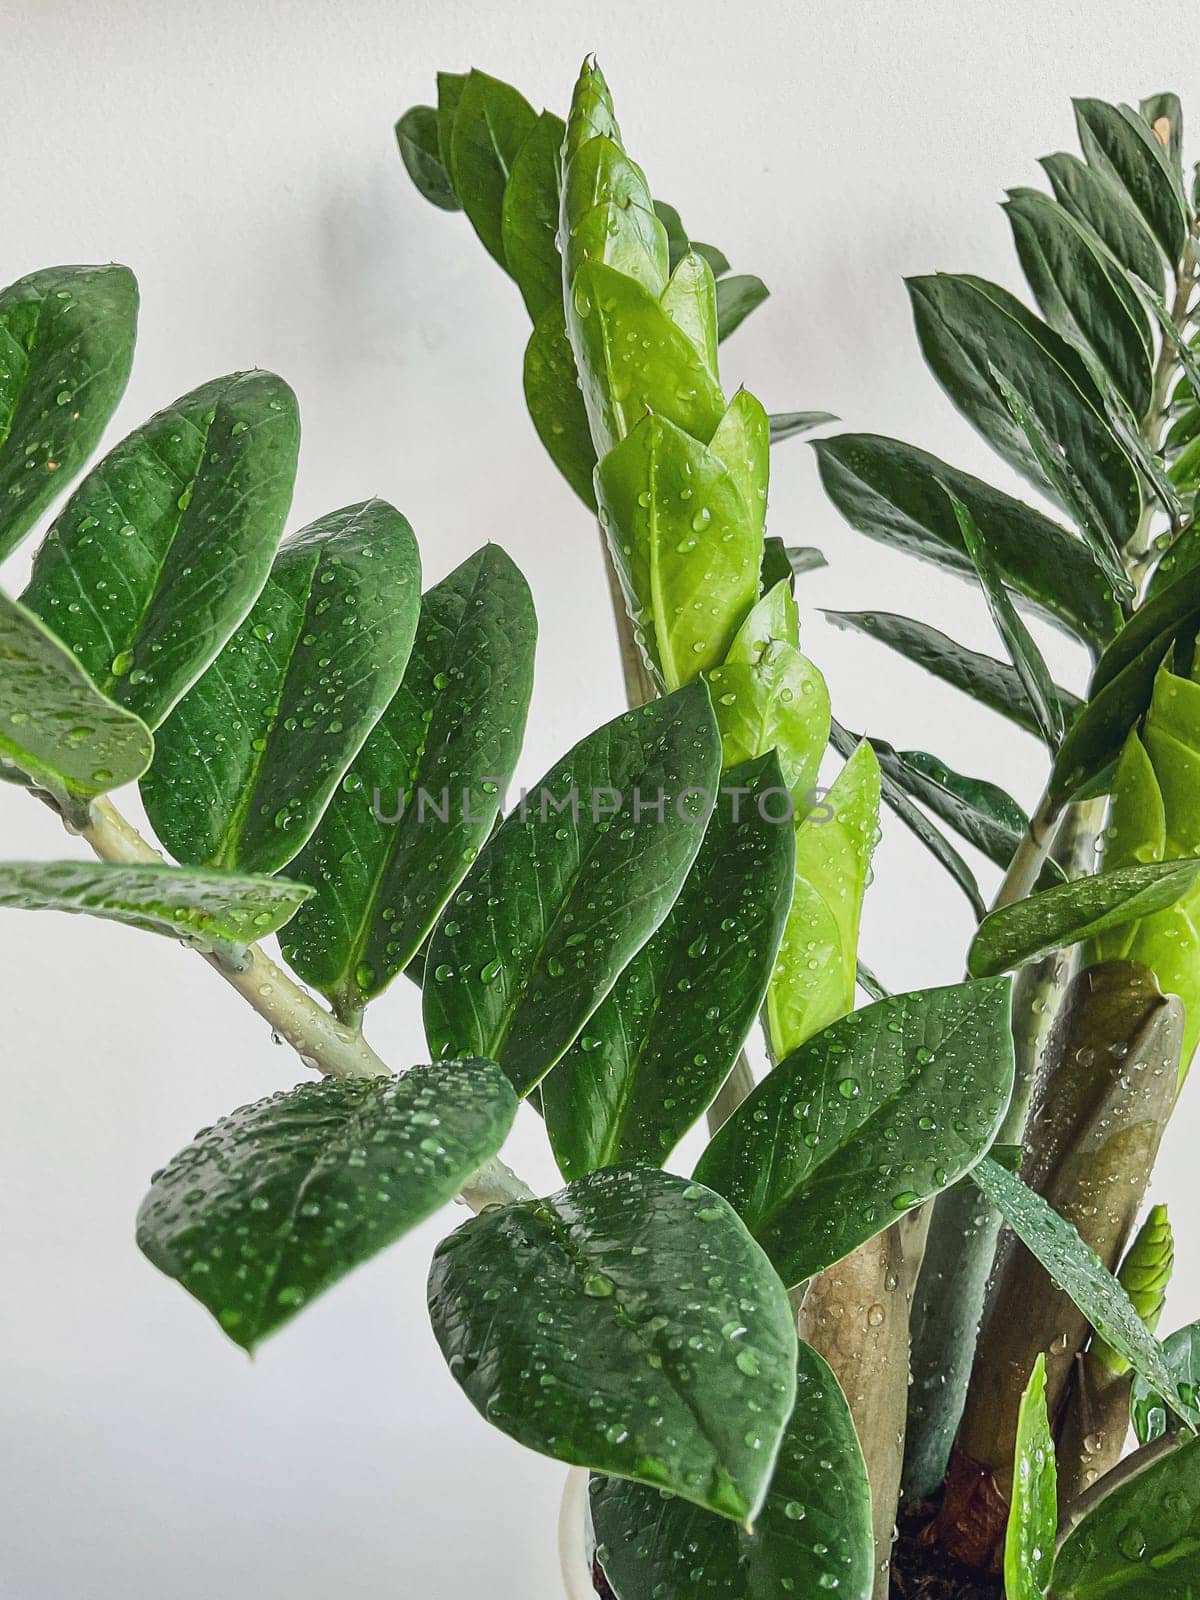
(322, 1042)
(1030, 855)
(1121, 1474)
(639, 688)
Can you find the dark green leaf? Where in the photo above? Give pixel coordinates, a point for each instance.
(717, 260)
(529, 216)
(491, 122)
(1030, 665)
(265, 1211)
(556, 405)
(1063, 916)
(422, 794)
(655, 1052)
(970, 331)
(162, 549)
(571, 886)
(678, 243)
(813, 1535)
(249, 759)
(804, 558)
(737, 297)
(918, 823)
(66, 347)
(870, 1118)
(993, 683)
(1075, 1268)
(1117, 142)
(199, 907)
(672, 1363)
(55, 725)
(1142, 1542)
(421, 152)
(1081, 293)
(981, 812)
(1150, 1412)
(870, 984)
(1033, 1519)
(776, 567)
(794, 424)
(1153, 110)
(894, 492)
(1092, 198)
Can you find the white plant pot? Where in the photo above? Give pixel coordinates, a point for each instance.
(576, 1541)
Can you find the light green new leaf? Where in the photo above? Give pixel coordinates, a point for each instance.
(690, 300)
(895, 493)
(1142, 1542)
(422, 794)
(655, 1052)
(737, 297)
(265, 1211)
(571, 886)
(249, 759)
(529, 216)
(199, 907)
(992, 683)
(1077, 1270)
(490, 123)
(420, 145)
(1071, 912)
(686, 544)
(162, 549)
(871, 1117)
(56, 727)
(1151, 1415)
(66, 347)
(1026, 658)
(814, 977)
(1033, 1517)
(672, 1363)
(1117, 142)
(1081, 293)
(813, 1535)
(970, 331)
(768, 696)
(1094, 199)
(555, 404)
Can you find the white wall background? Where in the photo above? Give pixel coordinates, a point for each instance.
(239, 156)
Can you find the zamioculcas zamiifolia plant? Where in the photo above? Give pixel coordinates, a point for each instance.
(951, 1178)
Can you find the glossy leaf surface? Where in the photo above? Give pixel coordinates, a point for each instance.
(1033, 1518)
(55, 725)
(248, 761)
(555, 404)
(1118, 142)
(200, 907)
(737, 297)
(265, 1211)
(983, 813)
(1071, 912)
(161, 551)
(1093, 198)
(491, 122)
(529, 216)
(871, 1117)
(812, 1536)
(571, 886)
(653, 1055)
(66, 347)
(673, 1364)
(422, 794)
(420, 146)
(1151, 1414)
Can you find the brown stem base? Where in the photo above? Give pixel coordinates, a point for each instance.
(921, 1571)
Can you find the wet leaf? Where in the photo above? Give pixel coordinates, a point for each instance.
(897, 494)
(421, 151)
(1033, 1518)
(66, 347)
(870, 1118)
(653, 1055)
(627, 1324)
(571, 886)
(555, 404)
(265, 1211)
(56, 727)
(1117, 142)
(161, 551)
(490, 122)
(201, 908)
(1076, 1269)
(980, 811)
(422, 794)
(529, 216)
(1093, 198)
(1151, 1414)
(1142, 1542)
(1063, 916)
(248, 761)
(813, 1535)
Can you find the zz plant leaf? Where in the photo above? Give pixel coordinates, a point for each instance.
(271, 1206)
(813, 1534)
(873, 1116)
(645, 1370)
(1033, 1519)
(247, 763)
